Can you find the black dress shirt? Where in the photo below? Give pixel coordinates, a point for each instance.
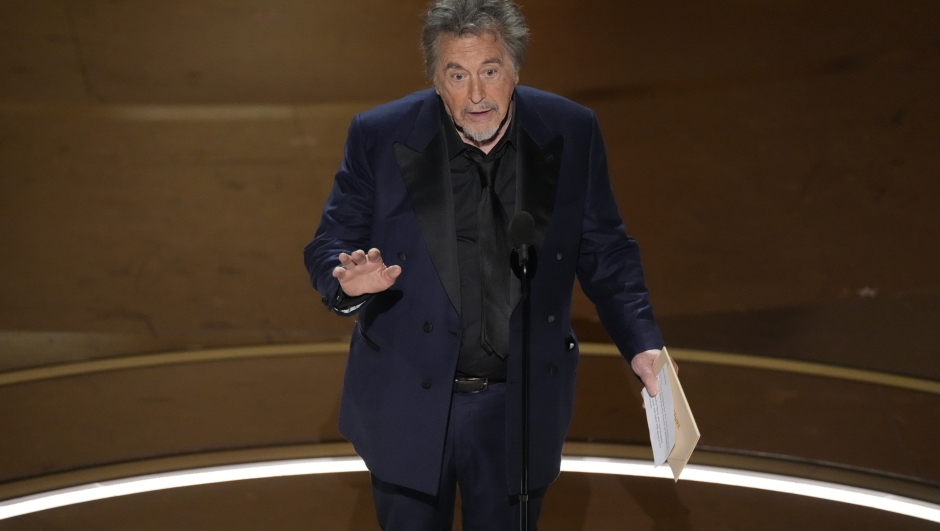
(465, 178)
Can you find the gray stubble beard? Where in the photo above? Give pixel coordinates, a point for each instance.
(482, 137)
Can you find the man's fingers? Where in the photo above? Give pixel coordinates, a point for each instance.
(649, 380)
(642, 365)
(364, 272)
(675, 366)
(359, 257)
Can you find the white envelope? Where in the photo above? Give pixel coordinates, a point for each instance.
(673, 432)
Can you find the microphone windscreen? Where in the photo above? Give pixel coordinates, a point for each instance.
(522, 229)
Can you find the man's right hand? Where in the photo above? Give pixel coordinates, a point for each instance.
(642, 366)
(362, 273)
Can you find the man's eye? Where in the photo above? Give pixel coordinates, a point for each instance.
(490, 73)
(458, 77)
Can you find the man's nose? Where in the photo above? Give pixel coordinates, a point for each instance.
(477, 94)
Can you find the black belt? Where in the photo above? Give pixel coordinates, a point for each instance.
(473, 385)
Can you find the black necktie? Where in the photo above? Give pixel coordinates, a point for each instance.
(494, 260)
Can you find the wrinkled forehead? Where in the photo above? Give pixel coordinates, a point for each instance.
(483, 47)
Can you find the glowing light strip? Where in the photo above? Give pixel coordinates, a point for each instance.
(340, 349)
(749, 361)
(183, 478)
(759, 480)
(590, 465)
(172, 358)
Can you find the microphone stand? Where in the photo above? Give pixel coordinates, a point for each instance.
(526, 358)
(524, 261)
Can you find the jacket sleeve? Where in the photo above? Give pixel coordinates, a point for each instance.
(609, 268)
(345, 225)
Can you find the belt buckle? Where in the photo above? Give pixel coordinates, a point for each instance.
(471, 381)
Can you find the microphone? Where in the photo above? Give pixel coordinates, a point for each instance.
(522, 232)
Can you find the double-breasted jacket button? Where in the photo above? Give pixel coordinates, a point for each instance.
(551, 318)
(559, 256)
(402, 256)
(553, 370)
(428, 327)
(426, 384)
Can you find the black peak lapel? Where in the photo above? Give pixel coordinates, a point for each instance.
(426, 176)
(537, 180)
(536, 184)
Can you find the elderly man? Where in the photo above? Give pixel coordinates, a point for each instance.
(431, 396)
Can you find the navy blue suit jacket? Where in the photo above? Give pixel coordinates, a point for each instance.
(393, 192)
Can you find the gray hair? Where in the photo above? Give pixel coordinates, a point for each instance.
(501, 18)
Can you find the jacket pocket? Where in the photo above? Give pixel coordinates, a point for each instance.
(365, 339)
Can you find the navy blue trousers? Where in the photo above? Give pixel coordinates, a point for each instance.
(474, 459)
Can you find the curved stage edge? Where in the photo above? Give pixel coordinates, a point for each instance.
(340, 349)
(876, 489)
(856, 488)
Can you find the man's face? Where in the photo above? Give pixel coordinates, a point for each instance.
(475, 78)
